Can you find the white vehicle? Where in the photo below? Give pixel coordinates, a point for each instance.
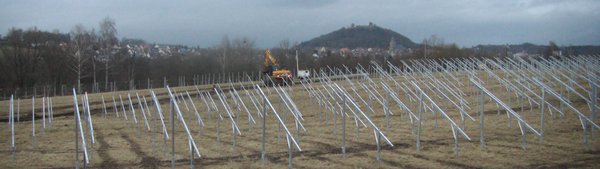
(303, 74)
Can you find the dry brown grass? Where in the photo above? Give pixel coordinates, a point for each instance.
(124, 144)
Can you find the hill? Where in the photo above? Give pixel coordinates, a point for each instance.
(365, 36)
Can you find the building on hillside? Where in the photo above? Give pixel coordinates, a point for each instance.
(345, 52)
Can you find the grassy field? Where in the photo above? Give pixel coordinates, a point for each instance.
(122, 143)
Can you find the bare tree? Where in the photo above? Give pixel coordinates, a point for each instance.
(15, 59)
(283, 54)
(552, 49)
(134, 54)
(108, 39)
(80, 47)
(285, 45)
(224, 49)
(32, 57)
(431, 45)
(242, 55)
(93, 41)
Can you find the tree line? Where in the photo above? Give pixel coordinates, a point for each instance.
(96, 60)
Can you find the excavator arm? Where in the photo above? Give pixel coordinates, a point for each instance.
(269, 59)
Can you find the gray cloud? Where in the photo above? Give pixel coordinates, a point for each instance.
(204, 23)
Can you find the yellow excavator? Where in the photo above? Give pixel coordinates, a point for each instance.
(271, 69)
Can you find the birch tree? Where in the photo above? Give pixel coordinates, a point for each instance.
(108, 40)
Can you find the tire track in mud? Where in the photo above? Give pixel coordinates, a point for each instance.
(359, 149)
(578, 163)
(325, 148)
(107, 160)
(280, 157)
(147, 161)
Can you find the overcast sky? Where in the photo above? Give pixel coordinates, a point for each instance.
(204, 23)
